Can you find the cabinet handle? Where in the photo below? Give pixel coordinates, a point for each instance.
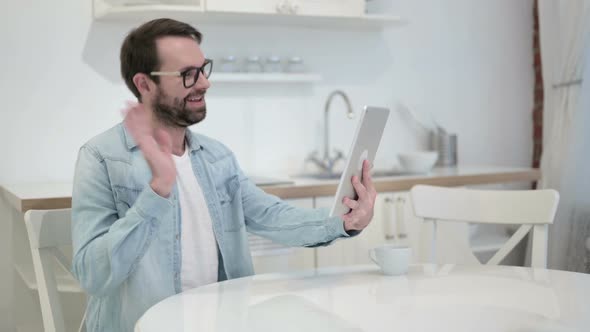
(400, 203)
(389, 223)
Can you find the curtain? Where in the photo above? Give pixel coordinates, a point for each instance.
(565, 162)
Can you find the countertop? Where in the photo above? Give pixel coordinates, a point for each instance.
(57, 195)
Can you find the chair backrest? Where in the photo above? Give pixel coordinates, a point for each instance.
(532, 209)
(48, 230)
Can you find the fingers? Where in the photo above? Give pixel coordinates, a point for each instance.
(368, 180)
(128, 106)
(164, 141)
(132, 119)
(358, 217)
(149, 147)
(136, 111)
(360, 190)
(366, 169)
(347, 218)
(362, 209)
(351, 203)
(137, 122)
(131, 109)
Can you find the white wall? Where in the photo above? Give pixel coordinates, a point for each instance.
(468, 63)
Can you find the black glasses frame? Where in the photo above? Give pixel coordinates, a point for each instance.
(185, 73)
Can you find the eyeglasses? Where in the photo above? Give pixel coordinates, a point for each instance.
(190, 76)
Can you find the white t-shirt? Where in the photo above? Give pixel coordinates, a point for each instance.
(199, 248)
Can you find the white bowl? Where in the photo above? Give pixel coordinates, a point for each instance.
(418, 161)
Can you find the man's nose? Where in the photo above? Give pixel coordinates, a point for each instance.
(203, 82)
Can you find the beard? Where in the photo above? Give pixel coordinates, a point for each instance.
(177, 114)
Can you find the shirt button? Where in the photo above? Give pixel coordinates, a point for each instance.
(177, 236)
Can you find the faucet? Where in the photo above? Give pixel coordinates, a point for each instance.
(327, 162)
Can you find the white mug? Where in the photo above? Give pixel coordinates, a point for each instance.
(393, 259)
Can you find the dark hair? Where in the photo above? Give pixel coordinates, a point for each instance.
(139, 53)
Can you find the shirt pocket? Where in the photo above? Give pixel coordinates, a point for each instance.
(228, 193)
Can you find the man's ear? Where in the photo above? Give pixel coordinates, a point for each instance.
(142, 83)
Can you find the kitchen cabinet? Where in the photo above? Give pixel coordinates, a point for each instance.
(353, 8)
(340, 14)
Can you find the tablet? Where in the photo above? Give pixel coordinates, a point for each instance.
(364, 146)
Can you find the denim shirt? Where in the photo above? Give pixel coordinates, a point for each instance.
(126, 238)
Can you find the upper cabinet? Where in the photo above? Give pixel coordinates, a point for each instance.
(354, 8)
(305, 13)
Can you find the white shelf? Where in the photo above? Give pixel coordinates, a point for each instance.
(195, 14)
(264, 78)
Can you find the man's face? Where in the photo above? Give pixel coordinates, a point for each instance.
(173, 104)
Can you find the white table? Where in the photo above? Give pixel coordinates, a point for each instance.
(428, 298)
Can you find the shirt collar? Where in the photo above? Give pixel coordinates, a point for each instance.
(191, 140)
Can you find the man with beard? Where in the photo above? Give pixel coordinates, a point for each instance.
(158, 209)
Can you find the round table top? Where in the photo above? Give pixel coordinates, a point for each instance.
(360, 298)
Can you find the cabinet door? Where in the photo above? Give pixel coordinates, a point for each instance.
(244, 6)
(269, 257)
(329, 7)
(352, 251)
